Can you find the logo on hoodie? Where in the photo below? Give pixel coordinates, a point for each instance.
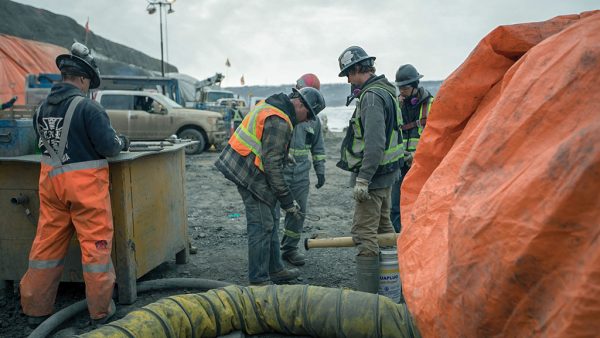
(51, 131)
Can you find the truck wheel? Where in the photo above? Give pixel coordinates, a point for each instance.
(194, 135)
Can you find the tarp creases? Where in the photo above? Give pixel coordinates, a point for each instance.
(19, 57)
(501, 208)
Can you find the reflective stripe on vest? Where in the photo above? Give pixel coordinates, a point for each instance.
(247, 137)
(426, 115)
(299, 152)
(412, 142)
(237, 115)
(316, 158)
(394, 151)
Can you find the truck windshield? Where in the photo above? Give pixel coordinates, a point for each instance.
(214, 96)
(171, 102)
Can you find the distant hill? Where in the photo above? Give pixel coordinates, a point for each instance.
(335, 93)
(37, 24)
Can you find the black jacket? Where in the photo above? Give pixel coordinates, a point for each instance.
(91, 136)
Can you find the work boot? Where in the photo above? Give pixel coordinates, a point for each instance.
(294, 257)
(111, 311)
(285, 275)
(34, 322)
(367, 274)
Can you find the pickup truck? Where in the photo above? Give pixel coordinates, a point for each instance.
(144, 116)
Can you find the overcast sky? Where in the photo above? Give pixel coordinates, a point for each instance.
(274, 41)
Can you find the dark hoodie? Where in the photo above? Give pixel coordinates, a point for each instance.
(91, 137)
(269, 186)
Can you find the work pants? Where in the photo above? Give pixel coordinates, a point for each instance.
(395, 205)
(264, 257)
(299, 185)
(371, 217)
(72, 201)
(395, 214)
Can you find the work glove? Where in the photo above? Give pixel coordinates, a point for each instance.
(408, 158)
(361, 190)
(293, 210)
(11, 102)
(320, 180)
(124, 142)
(291, 160)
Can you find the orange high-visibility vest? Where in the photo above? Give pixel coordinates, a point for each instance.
(247, 138)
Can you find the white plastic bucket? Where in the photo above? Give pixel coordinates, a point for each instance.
(389, 277)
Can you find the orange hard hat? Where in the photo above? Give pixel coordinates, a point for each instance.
(308, 80)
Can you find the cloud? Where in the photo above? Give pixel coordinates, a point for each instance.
(274, 41)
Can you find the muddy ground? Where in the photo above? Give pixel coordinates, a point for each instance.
(217, 227)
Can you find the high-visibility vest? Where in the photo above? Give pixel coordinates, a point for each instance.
(352, 153)
(247, 138)
(237, 115)
(411, 139)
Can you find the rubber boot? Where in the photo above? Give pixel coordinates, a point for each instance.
(367, 273)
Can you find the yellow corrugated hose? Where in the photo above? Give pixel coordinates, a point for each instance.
(289, 309)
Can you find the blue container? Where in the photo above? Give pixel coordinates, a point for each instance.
(17, 137)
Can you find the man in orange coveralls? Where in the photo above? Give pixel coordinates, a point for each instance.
(75, 138)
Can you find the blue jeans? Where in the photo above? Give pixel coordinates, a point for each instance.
(263, 240)
(293, 226)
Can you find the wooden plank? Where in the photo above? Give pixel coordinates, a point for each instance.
(123, 245)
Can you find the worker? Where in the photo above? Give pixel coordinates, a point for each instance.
(9, 103)
(372, 151)
(254, 159)
(234, 115)
(306, 137)
(76, 137)
(415, 103)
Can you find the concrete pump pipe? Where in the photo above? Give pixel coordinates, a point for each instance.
(342, 242)
(287, 309)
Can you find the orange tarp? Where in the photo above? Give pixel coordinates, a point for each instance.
(19, 57)
(501, 209)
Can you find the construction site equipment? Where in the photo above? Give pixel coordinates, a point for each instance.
(157, 145)
(151, 116)
(384, 240)
(37, 87)
(17, 137)
(292, 310)
(500, 210)
(166, 86)
(54, 321)
(149, 216)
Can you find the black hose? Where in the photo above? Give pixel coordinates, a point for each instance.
(54, 321)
